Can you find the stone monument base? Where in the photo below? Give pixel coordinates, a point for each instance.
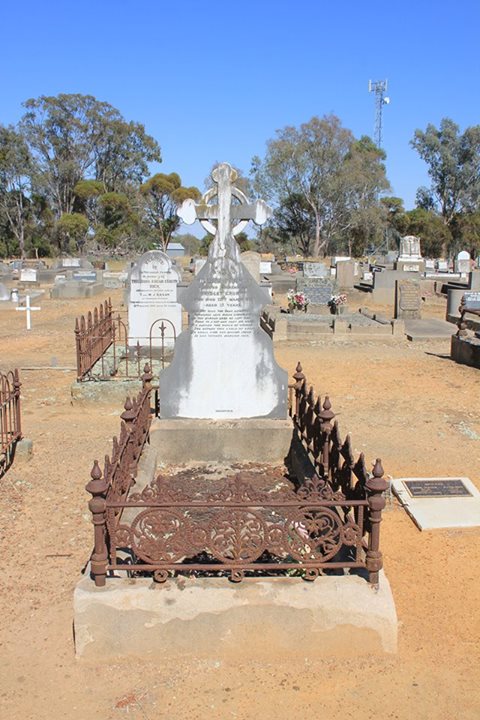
(182, 440)
(410, 265)
(261, 618)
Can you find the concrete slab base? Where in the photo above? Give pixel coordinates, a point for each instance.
(435, 513)
(182, 440)
(104, 391)
(213, 618)
(429, 329)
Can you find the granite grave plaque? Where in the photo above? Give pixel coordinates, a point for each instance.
(315, 270)
(318, 290)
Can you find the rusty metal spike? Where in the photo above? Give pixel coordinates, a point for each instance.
(311, 396)
(378, 469)
(128, 403)
(318, 406)
(77, 325)
(96, 473)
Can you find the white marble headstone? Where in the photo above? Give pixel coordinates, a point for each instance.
(153, 296)
(410, 248)
(28, 275)
(463, 262)
(223, 367)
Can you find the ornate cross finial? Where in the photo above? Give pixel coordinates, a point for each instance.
(232, 218)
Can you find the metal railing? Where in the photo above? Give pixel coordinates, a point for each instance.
(103, 349)
(10, 416)
(327, 520)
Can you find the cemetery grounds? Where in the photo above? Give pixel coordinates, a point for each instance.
(406, 402)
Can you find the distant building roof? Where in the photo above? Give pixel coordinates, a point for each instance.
(175, 246)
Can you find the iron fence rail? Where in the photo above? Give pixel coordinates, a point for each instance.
(328, 520)
(10, 412)
(103, 349)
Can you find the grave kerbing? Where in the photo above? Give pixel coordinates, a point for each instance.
(223, 367)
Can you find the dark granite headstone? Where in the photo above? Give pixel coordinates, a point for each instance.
(471, 300)
(318, 290)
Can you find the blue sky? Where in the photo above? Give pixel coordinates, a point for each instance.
(214, 81)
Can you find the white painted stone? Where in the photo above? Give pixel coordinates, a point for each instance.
(315, 269)
(462, 264)
(410, 248)
(28, 275)
(265, 267)
(223, 367)
(340, 258)
(442, 265)
(70, 262)
(199, 263)
(153, 296)
(431, 513)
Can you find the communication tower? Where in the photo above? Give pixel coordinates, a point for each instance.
(379, 87)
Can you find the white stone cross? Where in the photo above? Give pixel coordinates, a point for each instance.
(224, 176)
(28, 309)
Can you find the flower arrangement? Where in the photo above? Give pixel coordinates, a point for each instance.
(337, 300)
(297, 300)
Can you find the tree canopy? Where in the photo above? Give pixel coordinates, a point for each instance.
(322, 182)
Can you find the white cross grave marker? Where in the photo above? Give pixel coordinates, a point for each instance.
(28, 309)
(224, 175)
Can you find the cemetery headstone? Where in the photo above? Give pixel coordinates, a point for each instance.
(4, 269)
(471, 301)
(410, 257)
(463, 264)
(153, 296)
(28, 275)
(315, 270)
(84, 275)
(408, 300)
(442, 265)
(265, 267)
(223, 367)
(318, 290)
(251, 261)
(4, 293)
(346, 274)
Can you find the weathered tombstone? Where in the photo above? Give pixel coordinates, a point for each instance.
(319, 290)
(153, 296)
(315, 270)
(463, 262)
(223, 367)
(265, 267)
(430, 265)
(70, 263)
(471, 300)
(408, 300)
(442, 265)
(251, 260)
(28, 275)
(4, 293)
(346, 274)
(410, 257)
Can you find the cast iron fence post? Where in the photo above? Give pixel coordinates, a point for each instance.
(326, 416)
(18, 414)
(147, 377)
(97, 487)
(375, 487)
(299, 378)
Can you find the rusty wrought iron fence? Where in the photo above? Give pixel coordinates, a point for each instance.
(103, 348)
(327, 520)
(10, 415)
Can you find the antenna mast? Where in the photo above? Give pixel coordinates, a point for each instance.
(379, 87)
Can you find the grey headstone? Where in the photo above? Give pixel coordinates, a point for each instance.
(251, 260)
(315, 270)
(4, 293)
(318, 290)
(408, 300)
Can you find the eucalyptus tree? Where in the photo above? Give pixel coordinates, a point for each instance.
(15, 184)
(162, 194)
(76, 137)
(332, 176)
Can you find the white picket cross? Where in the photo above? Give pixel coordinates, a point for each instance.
(28, 309)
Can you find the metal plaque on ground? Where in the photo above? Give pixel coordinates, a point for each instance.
(441, 502)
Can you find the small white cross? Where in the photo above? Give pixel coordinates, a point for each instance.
(28, 308)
